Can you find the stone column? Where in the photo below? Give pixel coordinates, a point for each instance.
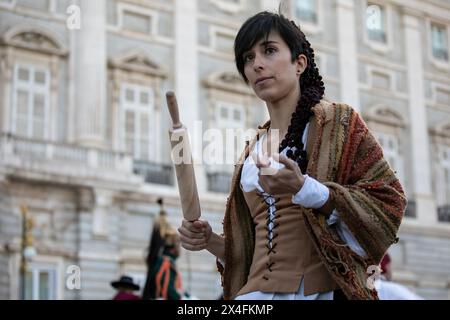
(348, 58)
(420, 145)
(6, 83)
(90, 74)
(186, 79)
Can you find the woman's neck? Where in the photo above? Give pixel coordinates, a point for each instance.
(281, 111)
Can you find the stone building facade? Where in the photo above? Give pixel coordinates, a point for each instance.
(83, 126)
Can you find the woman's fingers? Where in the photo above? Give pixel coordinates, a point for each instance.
(192, 244)
(189, 234)
(192, 248)
(288, 163)
(194, 226)
(192, 241)
(193, 235)
(200, 225)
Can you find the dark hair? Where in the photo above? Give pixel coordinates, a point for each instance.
(311, 85)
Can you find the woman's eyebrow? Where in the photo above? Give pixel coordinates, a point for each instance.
(262, 44)
(266, 43)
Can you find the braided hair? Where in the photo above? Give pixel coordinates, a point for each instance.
(311, 85)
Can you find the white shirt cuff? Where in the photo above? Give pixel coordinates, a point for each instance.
(312, 195)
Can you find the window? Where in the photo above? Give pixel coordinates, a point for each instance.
(306, 10)
(40, 283)
(376, 23)
(230, 116)
(30, 101)
(137, 19)
(230, 6)
(137, 104)
(381, 80)
(391, 153)
(137, 22)
(443, 96)
(222, 39)
(443, 190)
(445, 163)
(224, 43)
(439, 44)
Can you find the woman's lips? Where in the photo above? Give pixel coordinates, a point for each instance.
(262, 80)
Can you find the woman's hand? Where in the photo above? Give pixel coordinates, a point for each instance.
(195, 235)
(279, 181)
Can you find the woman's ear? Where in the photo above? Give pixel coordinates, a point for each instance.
(301, 63)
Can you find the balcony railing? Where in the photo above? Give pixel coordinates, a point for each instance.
(441, 54)
(219, 182)
(154, 172)
(14, 148)
(18, 151)
(444, 213)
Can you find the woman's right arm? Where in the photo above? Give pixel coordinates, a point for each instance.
(198, 235)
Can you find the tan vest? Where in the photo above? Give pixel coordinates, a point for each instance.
(292, 256)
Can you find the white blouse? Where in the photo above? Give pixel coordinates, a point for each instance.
(314, 195)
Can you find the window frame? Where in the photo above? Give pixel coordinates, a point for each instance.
(214, 32)
(377, 46)
(434, 88)
(370, 69)
(122, 7)
(315, 11)
(437, 63)
(53, 263)
(224, 124)
(138, 110)
(442, 184)
(231, 107)
(230, 7)
(307, 26)
(31, 89)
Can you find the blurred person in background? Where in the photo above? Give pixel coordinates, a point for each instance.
(163, 278)
(125, 288)
(388, 289)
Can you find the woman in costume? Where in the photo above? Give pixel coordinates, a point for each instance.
(307, 220)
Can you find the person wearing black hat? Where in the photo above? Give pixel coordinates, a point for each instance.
(125, 287)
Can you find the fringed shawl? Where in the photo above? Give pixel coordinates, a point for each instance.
(368, 196)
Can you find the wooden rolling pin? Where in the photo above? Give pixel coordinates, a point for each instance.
(179, 140)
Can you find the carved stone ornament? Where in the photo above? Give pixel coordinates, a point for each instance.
(34, 38)
(139, 62)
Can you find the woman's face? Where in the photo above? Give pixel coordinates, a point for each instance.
(270, 70)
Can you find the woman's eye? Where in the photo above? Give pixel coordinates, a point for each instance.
(248, 58)
(270, 50)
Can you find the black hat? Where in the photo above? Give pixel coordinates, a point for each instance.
(125, 281)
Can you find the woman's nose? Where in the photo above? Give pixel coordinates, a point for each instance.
(258, 63)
